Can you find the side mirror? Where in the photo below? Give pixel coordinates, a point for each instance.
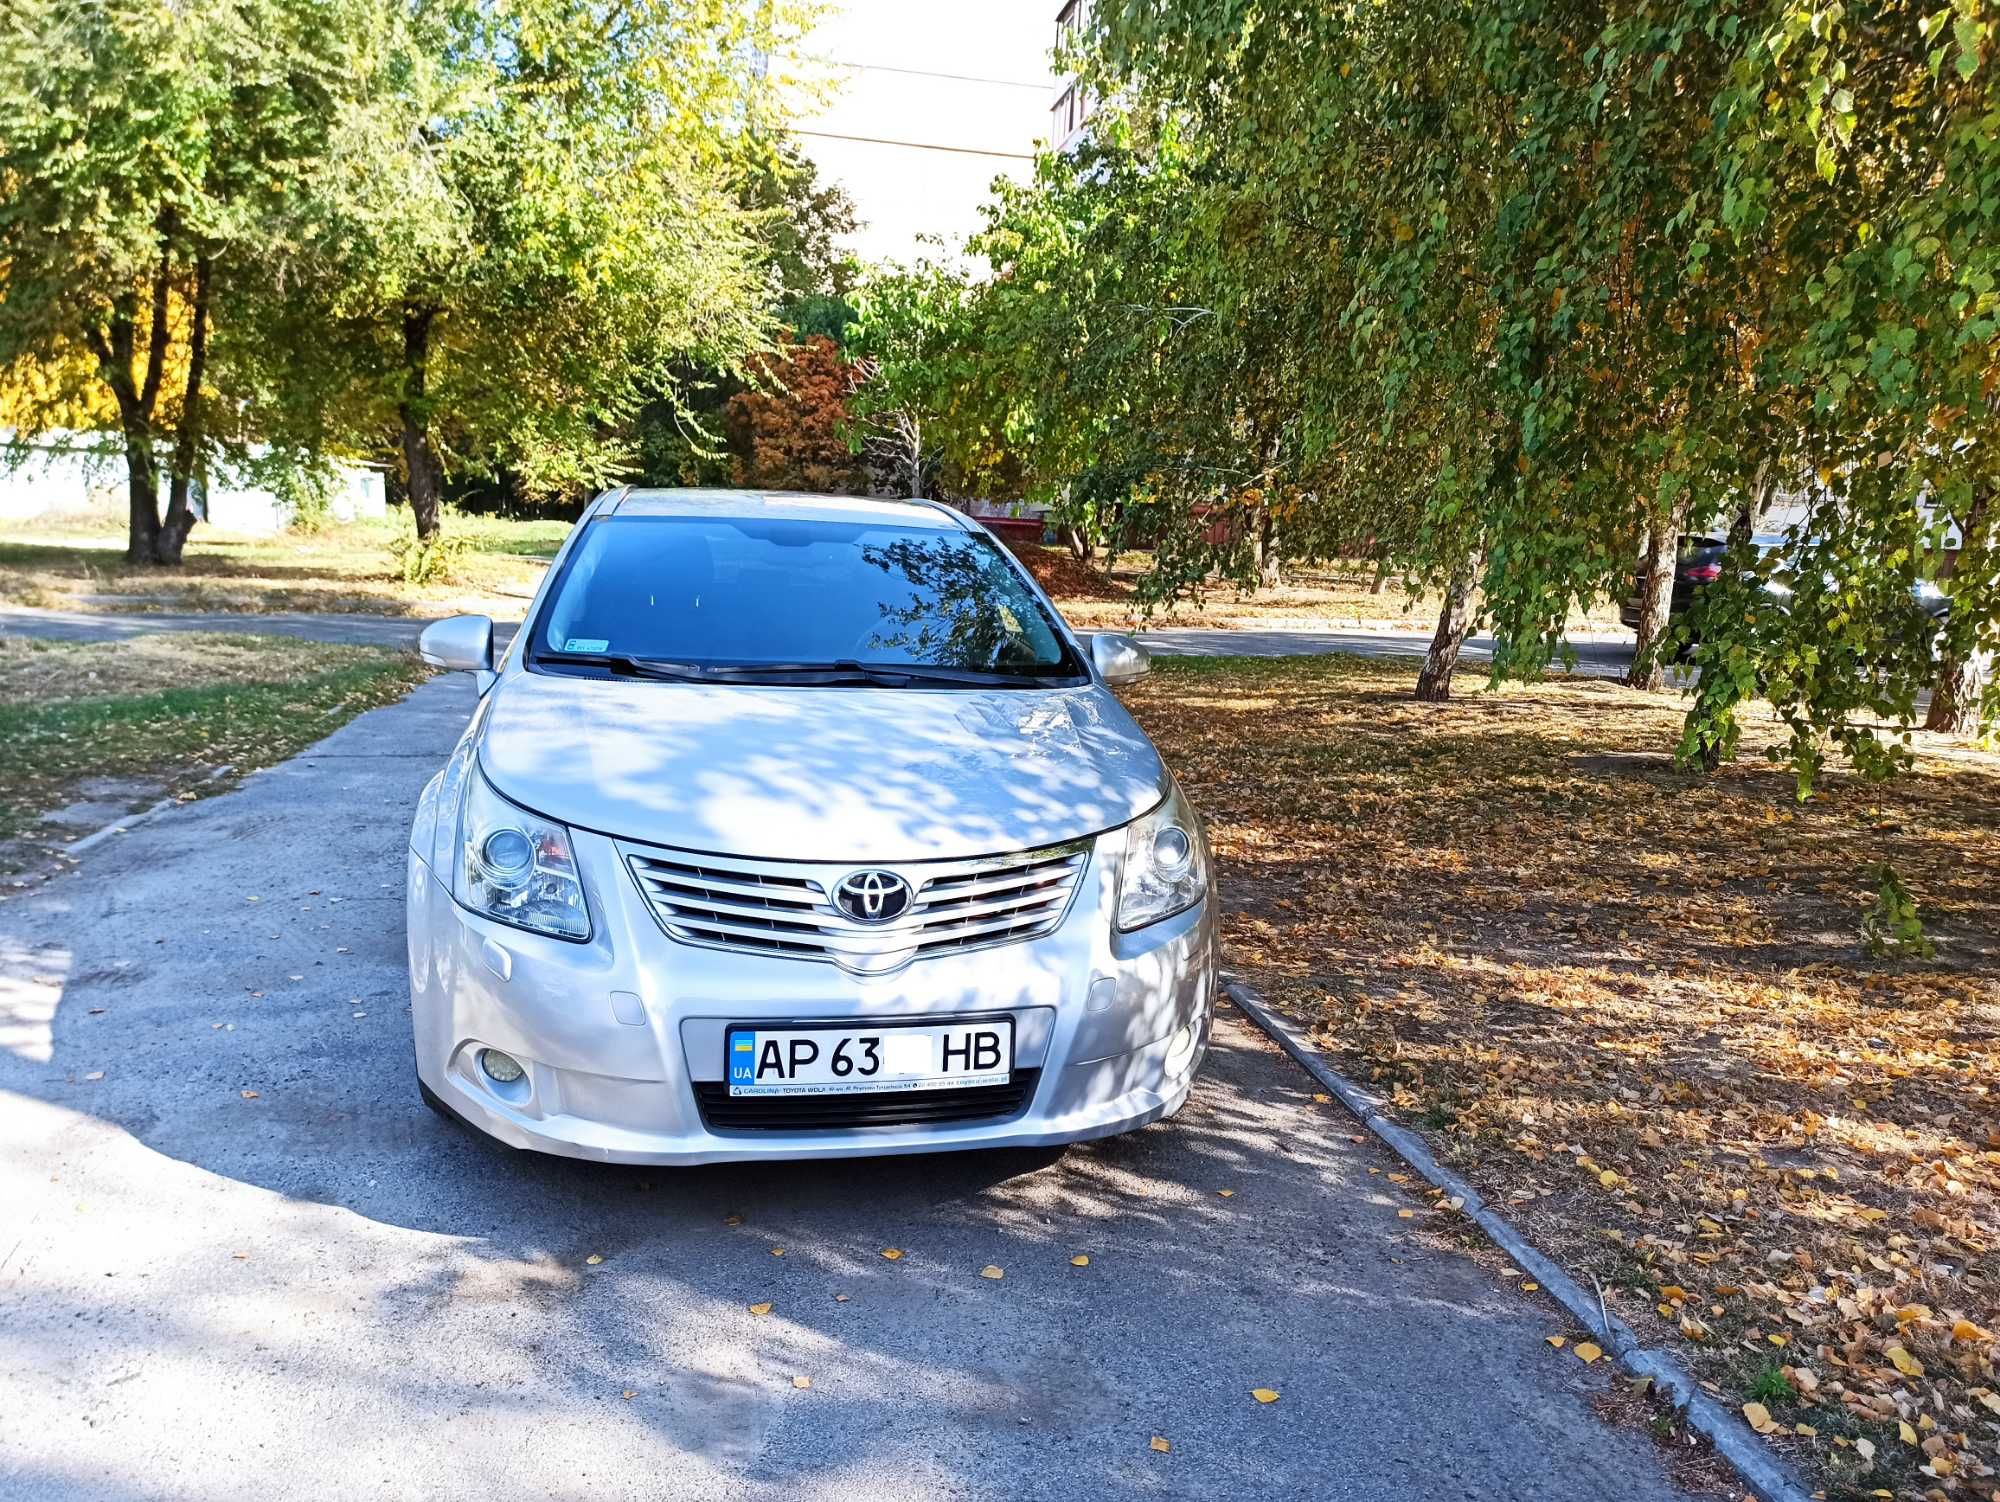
(463, 643)
(1118, 659)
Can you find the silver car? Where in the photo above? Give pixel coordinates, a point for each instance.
(800, 826)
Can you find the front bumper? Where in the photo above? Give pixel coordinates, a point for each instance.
(616, 1033)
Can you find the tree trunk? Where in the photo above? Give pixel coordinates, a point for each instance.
(1656, 606)
(1381, 573)
(1454, 621)
(114, 348)
(1961, 679)
(426, 474)
(180, 520)
(1750, 515)
(1269, 571)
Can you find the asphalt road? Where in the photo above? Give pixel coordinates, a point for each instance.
(238, 1258)
(1601, 658)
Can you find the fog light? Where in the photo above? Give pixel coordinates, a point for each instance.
(501, 1068)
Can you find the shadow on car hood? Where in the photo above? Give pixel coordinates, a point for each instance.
(822, 774)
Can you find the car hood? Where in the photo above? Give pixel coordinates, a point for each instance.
(820, 774)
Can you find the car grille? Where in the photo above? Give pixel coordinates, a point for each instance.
(722, 1112)
(785, 908)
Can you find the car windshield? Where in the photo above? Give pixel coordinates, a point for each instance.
(770, 599)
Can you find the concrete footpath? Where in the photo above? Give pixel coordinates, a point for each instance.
(238, 1258)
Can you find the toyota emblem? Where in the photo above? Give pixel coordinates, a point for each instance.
(872, 896)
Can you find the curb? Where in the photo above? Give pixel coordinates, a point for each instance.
(133, 821)
(1767, 1476)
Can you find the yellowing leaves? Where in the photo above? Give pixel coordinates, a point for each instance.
(992, 1271)
(1904, 1362)
(1556, 1340)
(761, 1309)
(1264, 1394)
(1158, 1443)
(892, 1254)
(1587, 1352)
(1758, 1417)
(802, 1382)
(1081, 1259)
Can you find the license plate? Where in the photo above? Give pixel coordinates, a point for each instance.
(858, 1060)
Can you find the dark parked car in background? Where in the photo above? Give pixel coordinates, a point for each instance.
(1702, 560)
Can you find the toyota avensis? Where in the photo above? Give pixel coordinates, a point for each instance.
(795, 827)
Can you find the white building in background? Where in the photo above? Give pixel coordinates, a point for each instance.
(1073, 101)
(82, 475)
(933, 99)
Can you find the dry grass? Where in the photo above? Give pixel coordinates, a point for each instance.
(1635, 1008)
(81, 566)
(120, 724)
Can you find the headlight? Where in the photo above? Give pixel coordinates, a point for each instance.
(516, 867)
(1166, 867)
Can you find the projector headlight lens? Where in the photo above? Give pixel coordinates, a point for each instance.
(517, 867)
(1165, 870)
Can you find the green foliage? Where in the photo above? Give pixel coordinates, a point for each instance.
(498, 231)
(908, 411)
(428, 560)
(1892, 926)
(1770, 1385)
(304, 485)
(1509, 285)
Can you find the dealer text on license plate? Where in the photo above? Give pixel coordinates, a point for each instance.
(850, 1061)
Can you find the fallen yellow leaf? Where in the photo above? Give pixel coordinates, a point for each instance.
(1967, 1331)
(1805, 1430)
(894, 1254)
(732, 1220)
(802, 1383)
(1264, 1394)
(777, 1251)
(1405, 1214)
(1759, 1418)
(1903, 1428)
(1079, 1260)
(629, 1394)
(249, 1094)
(764, 1308)
(1529, 1287)
(1556, 1340)
(1159, 1443)
(990, 1271)
(1587, 1352)
(594, 1258)
(1905, 1363)
(1226, 1193)
(1991, 1400)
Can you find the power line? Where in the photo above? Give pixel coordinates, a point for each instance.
(1047, 87)
(834, 135)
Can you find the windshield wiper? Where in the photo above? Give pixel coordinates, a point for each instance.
(847, 670)
(628, 666)
(840, 673)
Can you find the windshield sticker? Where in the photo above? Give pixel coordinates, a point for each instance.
(1010, 620)
(586, 644)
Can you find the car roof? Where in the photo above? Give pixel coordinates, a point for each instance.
(785, 505)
